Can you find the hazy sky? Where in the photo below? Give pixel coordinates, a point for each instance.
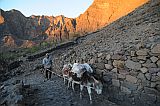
(68, 8)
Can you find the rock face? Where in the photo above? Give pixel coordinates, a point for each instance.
(1, 19)
(35, 28)
(103, 12)
(61, 28)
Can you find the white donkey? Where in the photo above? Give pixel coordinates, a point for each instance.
(84, 71)
(81, 74)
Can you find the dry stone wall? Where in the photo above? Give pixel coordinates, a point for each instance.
(134, 73)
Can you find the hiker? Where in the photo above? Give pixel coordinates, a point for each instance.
(47, 63)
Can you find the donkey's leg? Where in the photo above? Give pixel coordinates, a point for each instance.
(89, 92)
(81, 88)
(73, 85)
(69, 81)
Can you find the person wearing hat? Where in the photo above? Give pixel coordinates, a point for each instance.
(47, 63)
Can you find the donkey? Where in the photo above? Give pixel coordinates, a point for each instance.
(90, 82)
(85, 79)
(66, 72)
(82, 74)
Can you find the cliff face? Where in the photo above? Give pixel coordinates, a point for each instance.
(58, 28)
(103, 12)
(39, 28)
(34, 28)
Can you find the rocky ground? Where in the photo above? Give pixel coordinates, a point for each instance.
(37, 91)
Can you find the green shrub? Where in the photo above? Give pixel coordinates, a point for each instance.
(32, 49)
(9, 56)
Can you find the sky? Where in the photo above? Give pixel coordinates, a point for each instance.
(68, 8)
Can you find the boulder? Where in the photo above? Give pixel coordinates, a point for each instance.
(133, 65)
(140, 45)
(149, 64)
(133, 73)
(131, 79)
(135, 59)
(118, 64)
(153, 84)
(108, 66)
(158, 63)
(100, 54)
(117, 57)
(108, 57)
(114, 70)
(130, 86)
(92, 61)
(158, 87)
(142, 52)
(123, 71)
(112, 75)
(143, 79)
(144, 70)
(156, 49)
(100, 60)
(155, 78)
(148, 76)
(116, 82)
(141, 76)
(154, 70)
(154, 59)
(158, 74)
(98, 71)
(100, 66)
(142, 57)
(142, 61)
(146, 83)
(133, 53)
(121, 76)
(125, 90)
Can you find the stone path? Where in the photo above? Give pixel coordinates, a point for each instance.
(53, 92)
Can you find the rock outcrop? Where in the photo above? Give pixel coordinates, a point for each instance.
(9, 41)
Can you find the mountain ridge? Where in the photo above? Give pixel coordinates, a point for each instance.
(60, 28)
